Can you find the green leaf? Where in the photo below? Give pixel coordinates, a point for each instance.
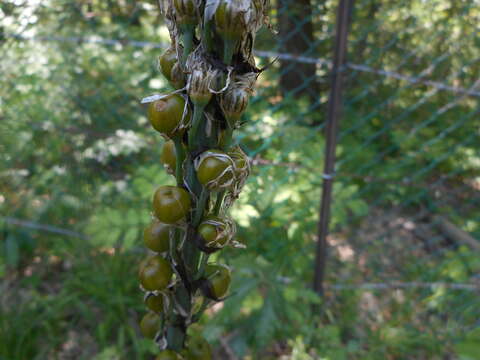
(267, 322)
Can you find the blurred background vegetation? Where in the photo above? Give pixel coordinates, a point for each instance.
(79, 164)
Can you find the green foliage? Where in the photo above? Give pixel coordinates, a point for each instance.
(76, 153)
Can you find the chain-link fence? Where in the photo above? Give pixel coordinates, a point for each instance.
(79, 164)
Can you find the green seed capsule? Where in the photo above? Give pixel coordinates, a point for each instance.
(155, 273)
(150, 325)
(156, 236)
(166, 115)
(215, 170)
(155, 303)
(167, 61)
(171, 204)
(217, 281)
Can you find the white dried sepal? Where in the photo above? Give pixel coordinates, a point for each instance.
(153, 98)
(161, 340)
(227, 84)
(237, 245)
(156, 97)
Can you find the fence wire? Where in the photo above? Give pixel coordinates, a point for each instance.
(79, 162)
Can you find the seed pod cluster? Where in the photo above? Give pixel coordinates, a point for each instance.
(212, 71)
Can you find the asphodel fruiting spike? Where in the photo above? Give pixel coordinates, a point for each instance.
(212, 81)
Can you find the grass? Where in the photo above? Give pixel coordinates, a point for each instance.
(80, 303)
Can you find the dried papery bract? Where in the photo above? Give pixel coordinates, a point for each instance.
(242, 167)
(215, 233)
(214, 81)
(234, 102)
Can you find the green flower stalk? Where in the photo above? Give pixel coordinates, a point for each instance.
(186, 19)
(179, 159)
(235, 19)
(199, 92)
(189, 221)
(231, 25)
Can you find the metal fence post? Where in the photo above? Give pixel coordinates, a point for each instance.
(333, 118)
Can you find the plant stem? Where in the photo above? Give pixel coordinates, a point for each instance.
(191, 176)
(196, 121)
(218, 202)
(172, 248)
(227, 142)
(201, 266)
(180, 158)
(207, 35)
(175, 337)
(202, 202)
(228, 49)
(187, 38)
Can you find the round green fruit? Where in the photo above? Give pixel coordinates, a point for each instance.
(171, 204)
(155, 273)
(156, 236)
(217, 281)
(167, 60)
(215, 170)
(166, 114)
(150, 325)
(155, 303)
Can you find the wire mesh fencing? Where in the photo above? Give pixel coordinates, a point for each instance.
(79, 163)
